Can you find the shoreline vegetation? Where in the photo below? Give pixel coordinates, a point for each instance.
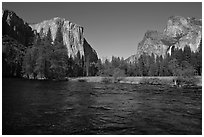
(153, 80)
(168, 80)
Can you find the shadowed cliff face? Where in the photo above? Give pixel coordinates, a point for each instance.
(90, 53)
(73, 36)
(15, 27)
(179, 32)
(16, 37)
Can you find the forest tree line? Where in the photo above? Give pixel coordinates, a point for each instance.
(180, 63)
(48, 59)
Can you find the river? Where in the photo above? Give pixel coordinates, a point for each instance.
(47, 107)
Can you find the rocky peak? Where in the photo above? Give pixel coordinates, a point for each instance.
(178, 33)
(187, 31)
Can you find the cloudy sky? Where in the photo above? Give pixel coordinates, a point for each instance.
(110, 28)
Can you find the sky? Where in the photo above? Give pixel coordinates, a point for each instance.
(112, 29)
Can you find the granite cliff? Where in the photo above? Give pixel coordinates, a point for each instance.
(73, 36)
(178, 33)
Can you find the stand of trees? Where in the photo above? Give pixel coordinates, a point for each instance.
(12, 56)
(180, 63)
(46, 59)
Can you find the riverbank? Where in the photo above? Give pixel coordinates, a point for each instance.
(134, 80)
(168, 80)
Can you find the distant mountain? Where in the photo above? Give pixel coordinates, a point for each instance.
(179, 32)
(73, 36)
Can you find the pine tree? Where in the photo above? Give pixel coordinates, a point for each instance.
(152, 66)
(41, 33)
(123, 65)
(108, 71)
(99, 67)
(70, 67)
(187, 54)
(166, 70)
(40, 64)
(200, 59)
(48, 48)
(59, 37)
(59, 57)
(141, 65)
(157, 70)
(174, 67)
(161, 66)
(87, 65)
(29, 62)
(49, 37)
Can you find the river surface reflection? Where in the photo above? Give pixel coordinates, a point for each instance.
(46, 107)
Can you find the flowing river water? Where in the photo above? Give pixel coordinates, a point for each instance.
(47, 107)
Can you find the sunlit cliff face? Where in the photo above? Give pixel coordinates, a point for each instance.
(187, 31)
(73, 36)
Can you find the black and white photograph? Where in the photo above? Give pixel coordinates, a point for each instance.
(101, 68)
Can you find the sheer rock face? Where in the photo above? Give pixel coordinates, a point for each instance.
(178, 33)
(73, 36)
(152, 43)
